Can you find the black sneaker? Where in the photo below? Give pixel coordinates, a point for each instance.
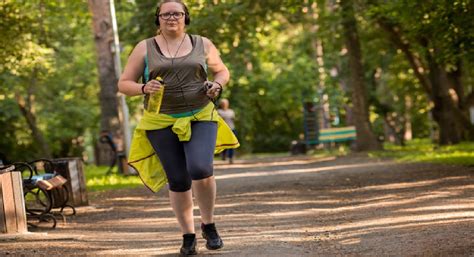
(189, 245)
(209, 232)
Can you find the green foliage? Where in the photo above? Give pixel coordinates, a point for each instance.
(432, 32)
(422, 150)
(449, 20)
(47, 63)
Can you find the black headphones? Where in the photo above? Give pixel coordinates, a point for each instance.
(187, 19)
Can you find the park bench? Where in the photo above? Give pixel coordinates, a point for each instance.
(314, 134)
(334, 135)
(325, 136)
(34, 194)
(44, 193)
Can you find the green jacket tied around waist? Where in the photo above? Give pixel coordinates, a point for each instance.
(142, 155)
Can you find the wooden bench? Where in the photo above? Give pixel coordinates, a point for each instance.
(12, 204)
(44, 192)
(332, 135)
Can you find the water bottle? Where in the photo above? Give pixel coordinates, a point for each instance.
(154, 101)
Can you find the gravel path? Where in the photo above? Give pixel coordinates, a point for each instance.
(288, 206)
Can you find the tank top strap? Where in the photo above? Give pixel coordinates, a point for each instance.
(198, 44)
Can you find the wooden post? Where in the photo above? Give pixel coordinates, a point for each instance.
(72, 170)
(12, 204)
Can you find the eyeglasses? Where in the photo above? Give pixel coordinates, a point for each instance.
(168, 15)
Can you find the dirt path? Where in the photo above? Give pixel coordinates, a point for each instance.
(288, 207)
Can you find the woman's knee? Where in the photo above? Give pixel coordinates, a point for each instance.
(181, 185)
(200, 170)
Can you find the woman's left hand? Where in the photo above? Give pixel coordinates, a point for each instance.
(213, 89)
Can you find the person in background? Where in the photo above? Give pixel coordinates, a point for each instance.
(229, 116)
(177, 136)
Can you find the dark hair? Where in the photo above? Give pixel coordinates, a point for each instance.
(187, 19)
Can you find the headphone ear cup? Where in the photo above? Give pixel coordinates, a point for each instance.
(157, 21)
(187, 19)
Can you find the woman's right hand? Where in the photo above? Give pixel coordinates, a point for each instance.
(152, 86)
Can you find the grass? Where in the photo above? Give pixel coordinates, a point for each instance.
(98, 180)
(422, 150)
(339, 150)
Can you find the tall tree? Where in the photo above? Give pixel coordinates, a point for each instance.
(47, 85)
(437, 61)
(366, 139)
(103, 36)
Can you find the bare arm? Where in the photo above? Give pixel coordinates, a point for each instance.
(128, 84)
(216, 66)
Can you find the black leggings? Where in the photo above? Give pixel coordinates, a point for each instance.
(185, 161)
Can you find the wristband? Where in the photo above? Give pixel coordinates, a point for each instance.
(143, 89)
(218, 83)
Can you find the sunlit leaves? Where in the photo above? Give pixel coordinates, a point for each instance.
(47, 60)
(446, 24)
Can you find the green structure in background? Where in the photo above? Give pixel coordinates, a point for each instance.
(314, 134)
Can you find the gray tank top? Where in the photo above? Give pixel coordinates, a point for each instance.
(183, 78)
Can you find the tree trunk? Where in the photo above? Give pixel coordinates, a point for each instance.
(407, 117)
(103, 36)
(26, 105)
(25, 109)
(394, 130)
(450, 114)
(450, 130)
(366, 140)
(454, 80)
(461, 101)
